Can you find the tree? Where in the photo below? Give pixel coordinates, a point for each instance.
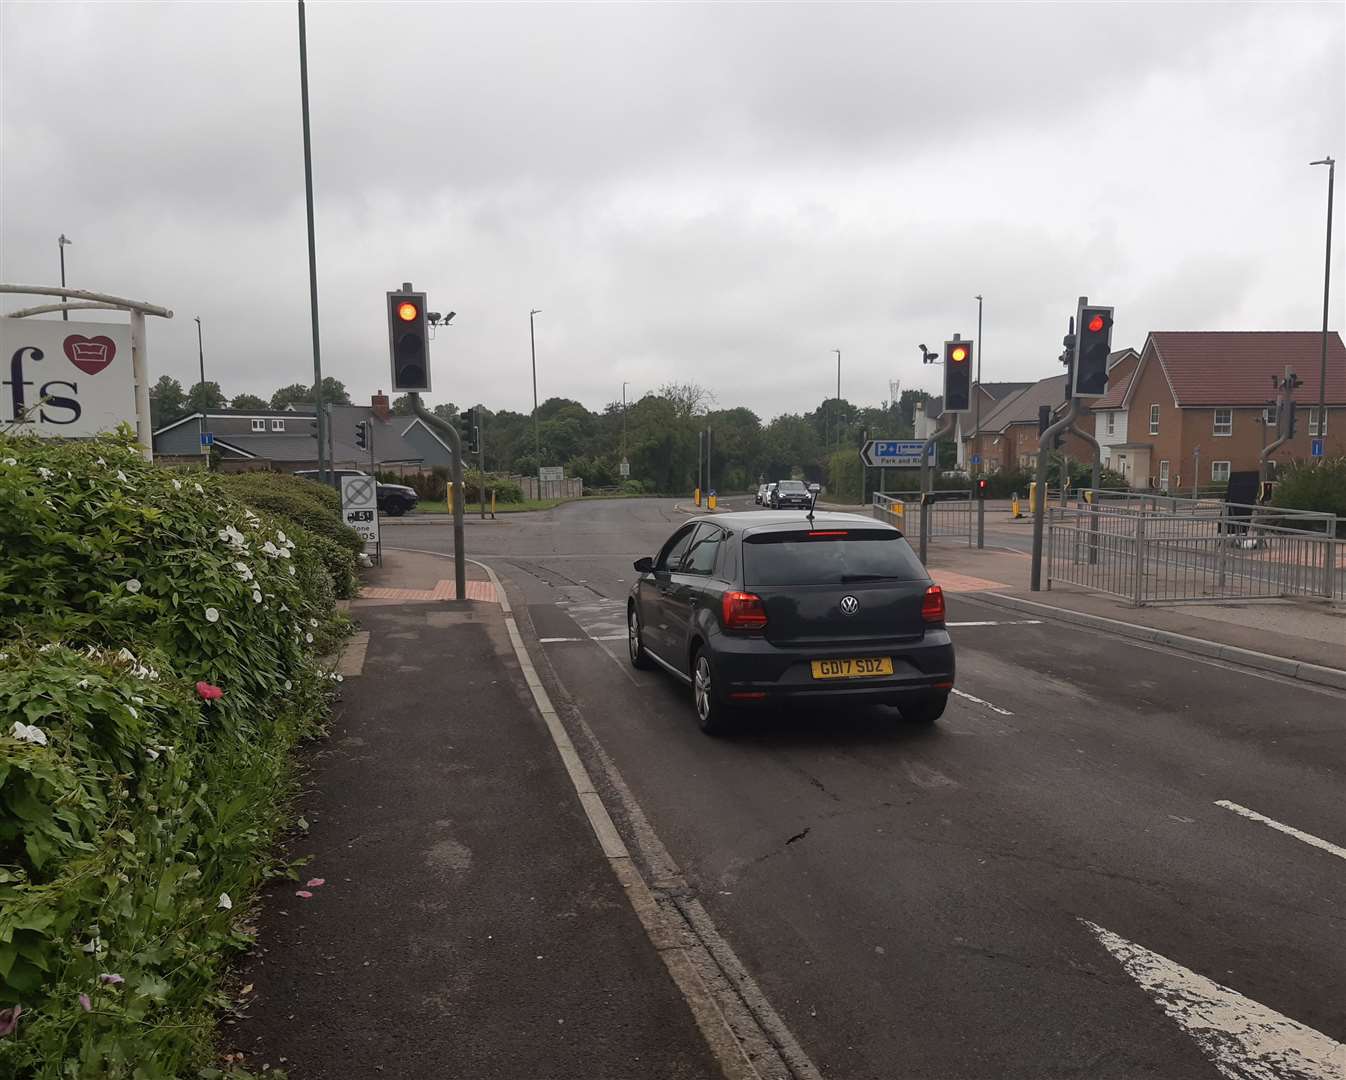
(205, 397)
(168, 402)
(294, 394)
(251, 402)
(334, 392)
(401, 406)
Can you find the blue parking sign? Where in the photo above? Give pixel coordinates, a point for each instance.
(1316, 447)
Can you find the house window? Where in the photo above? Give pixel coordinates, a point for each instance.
(1219, 472)
(1154, 419)
(277, 425)
(259, 425)
(1111, 423)
(1224, 423)
(1163, 476)
(1313, 422)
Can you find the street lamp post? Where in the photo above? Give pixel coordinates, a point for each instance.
(532, 345)
(624, 385)
(201, 357)
(976, 408)
(319, 413)
(1327, 282)
(838, 405)
(61, 242)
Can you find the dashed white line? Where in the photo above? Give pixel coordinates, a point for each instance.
(1289, 830)
(982, 701)
(1243, 1038)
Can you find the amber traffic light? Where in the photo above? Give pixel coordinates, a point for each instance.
(957, 376)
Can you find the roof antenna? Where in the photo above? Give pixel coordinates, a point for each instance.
(813, 503)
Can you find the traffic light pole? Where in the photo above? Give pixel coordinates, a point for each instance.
(925, 484)
(450, 432)
(1046, 439)
(481, 459)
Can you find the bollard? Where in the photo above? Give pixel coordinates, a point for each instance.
(1016, 510)
(448, 496)
(696, 496)
(493, 503)
(711, 500)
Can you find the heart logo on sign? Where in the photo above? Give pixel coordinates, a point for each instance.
(90, 354)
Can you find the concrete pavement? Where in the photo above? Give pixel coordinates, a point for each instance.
(1022, 891)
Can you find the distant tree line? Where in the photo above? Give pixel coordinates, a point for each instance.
(169, 401)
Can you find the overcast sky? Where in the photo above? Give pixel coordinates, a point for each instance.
(714, 193)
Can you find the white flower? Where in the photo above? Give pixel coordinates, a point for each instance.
(212, 615)
(133, 585)
(122, 477)
(308, 638)
(199, 489)
(47, 647)
(44, 473)
(11, 461)
(289, 685)
(126, 654)
(138, 699)
(270, 549)
(101, 461)
(132, 710)
(83, 684)
(151, 753)
(291, 569)
(281, 537)
(284, 553)
(256, 596)
(177, 485)
(29, 733)
(313, 623)
(225, 903)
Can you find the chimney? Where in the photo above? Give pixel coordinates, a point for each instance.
(379, 404)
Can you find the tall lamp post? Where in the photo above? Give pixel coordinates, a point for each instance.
(532, 345)
(838, 405)
(976, 408)
(1327, 282)
(201, 357)
(624, 386)
(319, 413)
(61, 242)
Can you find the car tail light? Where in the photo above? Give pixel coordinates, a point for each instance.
(742, 611)
(932, 607)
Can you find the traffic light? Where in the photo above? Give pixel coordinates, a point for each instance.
(408, 342)
(957, 376)
(469, 431)
(1044, 422)
(982, 486)
(361, 436)
(1093, 331)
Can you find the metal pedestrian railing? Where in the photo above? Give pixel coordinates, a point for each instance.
(1148, 553)
(948, 513)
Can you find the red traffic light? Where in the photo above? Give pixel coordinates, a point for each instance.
(958, 355)
(407, 311)
(1096, 324)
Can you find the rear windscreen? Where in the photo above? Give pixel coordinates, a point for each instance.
(857, 556)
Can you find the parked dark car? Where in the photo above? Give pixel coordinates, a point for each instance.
(758, 609)
(393, 499)
(788, 493)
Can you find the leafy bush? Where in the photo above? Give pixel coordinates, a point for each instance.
(158, 644)
(1303, 485)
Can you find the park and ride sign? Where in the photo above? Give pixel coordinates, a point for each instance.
(65, 379)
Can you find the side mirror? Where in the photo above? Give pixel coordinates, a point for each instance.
(645, 565)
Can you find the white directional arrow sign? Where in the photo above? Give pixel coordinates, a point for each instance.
(892, 453)
(1243, 1038)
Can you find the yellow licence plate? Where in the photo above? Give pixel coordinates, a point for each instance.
(853, 668)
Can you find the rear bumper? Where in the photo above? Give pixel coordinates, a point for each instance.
(752, 670)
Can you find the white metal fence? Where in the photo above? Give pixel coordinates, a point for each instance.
(949, 514)
(1150, 553)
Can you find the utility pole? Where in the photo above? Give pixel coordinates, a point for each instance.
(532, 345)
(1327, 282)
(201, 356)
(481, 457)
(709, 443)
(324, 462)
(976, 404)
(837, 412)
(700, 441)
(61, 242)
(623, 421)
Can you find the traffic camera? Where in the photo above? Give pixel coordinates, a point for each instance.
(1093, 330)
(408, 342)
(957, 376)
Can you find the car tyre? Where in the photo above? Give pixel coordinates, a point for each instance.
(712, 714)
(640, 659)
(925, 708)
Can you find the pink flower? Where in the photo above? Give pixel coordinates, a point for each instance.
(304, 893)
(85, 1003)
(112, 979)
(209, 693)
(314, 882)
(9, 1020)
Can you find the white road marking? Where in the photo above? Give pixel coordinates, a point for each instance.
(556, 640)
(1000, 622)
(982, 701)
(1289, 830)
(1243, 1038)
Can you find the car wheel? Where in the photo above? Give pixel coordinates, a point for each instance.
(711, 713)
(924, 708)
(635, 646)
(395, 511)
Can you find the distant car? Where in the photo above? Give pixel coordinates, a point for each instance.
(762, 490)
(752, 610)
(393, 499)
(791, 493)
(766, 498)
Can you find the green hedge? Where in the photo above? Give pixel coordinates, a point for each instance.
(137, 808)
(1308, 485)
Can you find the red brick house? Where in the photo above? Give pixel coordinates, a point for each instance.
(1194, 404)
(1009, 432)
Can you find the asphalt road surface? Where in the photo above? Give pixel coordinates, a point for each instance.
(1107, 861)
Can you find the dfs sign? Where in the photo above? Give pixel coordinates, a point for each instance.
(65, 380)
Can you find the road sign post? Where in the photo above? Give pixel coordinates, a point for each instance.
(1316, 448)
(360, 510)
(891, 453)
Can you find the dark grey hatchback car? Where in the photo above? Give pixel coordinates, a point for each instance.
(755, 609)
